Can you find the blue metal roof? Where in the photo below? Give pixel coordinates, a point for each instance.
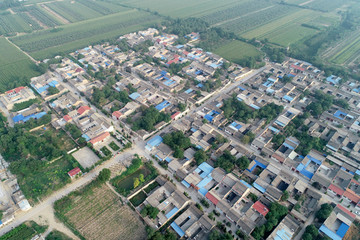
(246, 184)
(185, 183)
(208, 117)
(134, 95)
(329, 233)
(342, 230)
(258, 187)
(18, 118)
(53, 83)
(189, 91)
(177, 229)
(86, 137)
(171, 213)
(288, 98)
(339, 114)
(205, 167)
(204, 182)
(155, 141)
(203, 191)
(163, 105)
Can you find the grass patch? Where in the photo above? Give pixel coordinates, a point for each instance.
(46, 178)
(105, 151)
(114, 146)
(138, 198)
(151, 187)
(237, 51)
(56, 235)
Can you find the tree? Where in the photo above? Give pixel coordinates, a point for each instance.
(243, 163)
(324, 212)
(52, 90)
(104, 175)
(141, 178)
(285, 196)
(316, 185)
(311, 232)
(150, 211)
(136, 182)
(200, 156)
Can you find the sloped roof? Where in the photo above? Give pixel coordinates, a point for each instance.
(74, 171)
(260, 208)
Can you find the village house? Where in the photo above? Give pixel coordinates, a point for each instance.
(16, 95)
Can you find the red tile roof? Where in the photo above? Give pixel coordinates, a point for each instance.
(278, 157)
(16, 90)
(297, 67)
(346, 211)
(74, 172)
(99, 138)
(174, 115)
(83, 109)
(352, 196)
(67, 118)
(260, 208)
(336, 189)
(212, 199)
(117, 114)
(79, 70)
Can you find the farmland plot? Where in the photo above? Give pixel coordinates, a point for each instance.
(11, 60)
(102, 7)
(73, 11)
(326, 5)
(42, 16)
(285, 30)
(182, 9)
(234, 12)
(12, 23)
(348, 51)
(99, 214)
(253, 21)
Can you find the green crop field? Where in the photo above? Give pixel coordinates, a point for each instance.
(285, 30)
(326, 5)
(244, 8)
(236, 51)
(297, 2)
(348, 53)
(247, 22)
(41, 15)
(11, 60)
(182, 9)
(73, 11)
(11, 23)
(48, 43)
